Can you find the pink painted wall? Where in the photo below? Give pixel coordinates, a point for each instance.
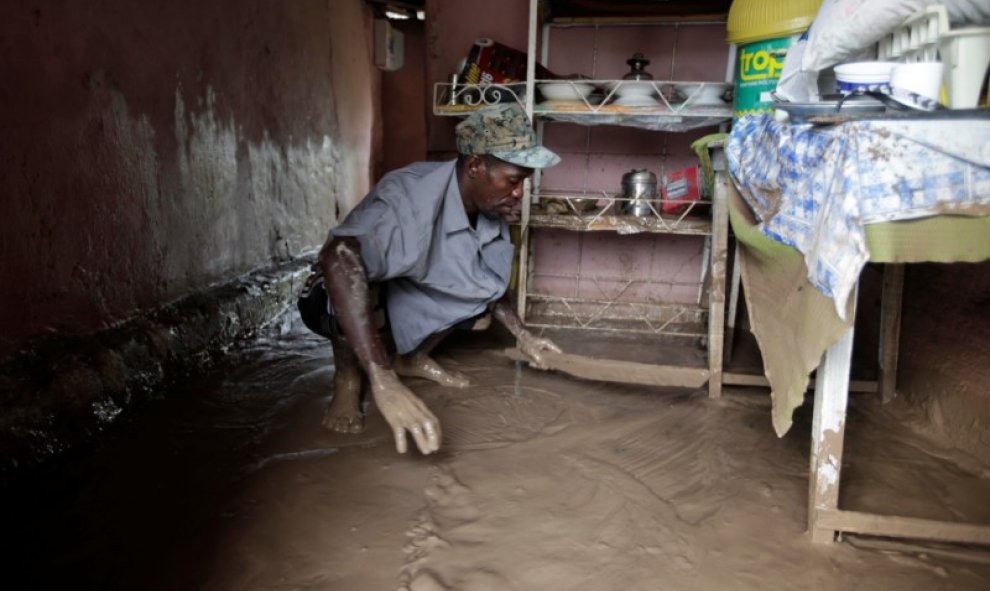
(405, 104)
(596, 157)
(451, 28)
(354, 97)
(152, 149)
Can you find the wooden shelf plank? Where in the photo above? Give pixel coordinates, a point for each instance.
(615, 370)
(659, 118)
(908, 527)
(622, 224)
(745, 379)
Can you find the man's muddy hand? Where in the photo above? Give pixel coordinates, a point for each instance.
(533, 347)
(404, 411)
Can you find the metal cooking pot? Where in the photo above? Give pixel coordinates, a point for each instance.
(637, 68)
(639, 186)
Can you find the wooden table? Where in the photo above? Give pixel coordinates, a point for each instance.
(825, 518)
(896, 244)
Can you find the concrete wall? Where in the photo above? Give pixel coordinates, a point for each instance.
(152, 149)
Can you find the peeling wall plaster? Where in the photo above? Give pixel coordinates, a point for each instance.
(273, 215)
(151, 151)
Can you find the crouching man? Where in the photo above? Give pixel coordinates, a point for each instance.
(426, 252)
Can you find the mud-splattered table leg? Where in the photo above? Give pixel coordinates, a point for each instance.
(827, 433)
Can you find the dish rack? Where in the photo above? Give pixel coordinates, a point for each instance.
(926, 36)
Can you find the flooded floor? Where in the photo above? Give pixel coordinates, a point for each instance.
(543, 482)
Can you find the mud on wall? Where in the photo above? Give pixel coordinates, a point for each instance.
(152, 149)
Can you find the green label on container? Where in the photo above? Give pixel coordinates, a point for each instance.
(757, 74)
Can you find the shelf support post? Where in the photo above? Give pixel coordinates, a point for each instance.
(719, 254)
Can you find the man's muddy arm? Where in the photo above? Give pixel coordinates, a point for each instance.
(347, 285)
(532, 346)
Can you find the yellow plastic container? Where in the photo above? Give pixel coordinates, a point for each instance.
(764, 30)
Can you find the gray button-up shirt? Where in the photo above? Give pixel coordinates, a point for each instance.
(415, 237)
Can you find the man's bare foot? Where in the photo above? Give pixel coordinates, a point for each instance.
(344, 415)
(421, 365)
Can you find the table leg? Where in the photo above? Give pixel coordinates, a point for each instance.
(890, 329)
(827, 433)
(733, 311)
(716, 295)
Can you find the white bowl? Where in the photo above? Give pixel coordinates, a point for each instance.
(628, 88)
(864, 72)
(924, 78)
(636, 101)
(565, 90)
(864, 76)
(708, 95)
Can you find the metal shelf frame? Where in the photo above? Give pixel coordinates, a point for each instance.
(607, 213)
(614, 310)
(682, 115)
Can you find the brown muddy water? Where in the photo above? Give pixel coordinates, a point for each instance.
(543, 482)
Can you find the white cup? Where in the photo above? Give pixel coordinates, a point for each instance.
(923, 78)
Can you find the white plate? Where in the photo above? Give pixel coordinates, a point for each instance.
(636, 101)
(565, 91)
(800, 112)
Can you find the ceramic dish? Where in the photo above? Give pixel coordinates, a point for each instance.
(669, 92)
(566, 90)
(709, 94)
(635, 101)
(801, 112)
(630, 88)
(577, 204)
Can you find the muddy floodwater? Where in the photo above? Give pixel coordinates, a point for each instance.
(543, 482)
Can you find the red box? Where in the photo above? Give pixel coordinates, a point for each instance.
(680, 189)
(490, 62)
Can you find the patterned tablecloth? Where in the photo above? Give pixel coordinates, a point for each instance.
(815, 188)
(816, 203)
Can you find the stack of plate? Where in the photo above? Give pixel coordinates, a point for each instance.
(566, 90)
(633, 93)
(707, 94)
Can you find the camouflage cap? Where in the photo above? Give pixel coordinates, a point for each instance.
(504, 131)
